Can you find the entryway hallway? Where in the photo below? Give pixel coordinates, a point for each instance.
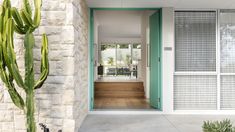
(148, 123)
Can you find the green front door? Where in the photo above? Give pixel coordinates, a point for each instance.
(155, 59)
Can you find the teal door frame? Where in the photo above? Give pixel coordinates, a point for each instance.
(91, 50)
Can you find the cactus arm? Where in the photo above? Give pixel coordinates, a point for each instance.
(14, 66)
(1, 20)
(37, 13)
(7, 3)
(19, 30)
(44, 63)
(16, 16)
(19, 26)
(27, 19)
(27, 7)
(11, 63)
(5, 19)
(16, 98)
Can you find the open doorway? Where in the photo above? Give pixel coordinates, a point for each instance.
(124, 75)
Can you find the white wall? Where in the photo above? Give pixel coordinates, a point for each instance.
(168, 58)
(103, 39)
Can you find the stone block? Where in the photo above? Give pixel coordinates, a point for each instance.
(50, 30)
(69, 125)
(57, 112)
(53, 18)
(68, 34)
(54, 5)
(7, 127)
(6, 116)
(68, 97)
(20, 122)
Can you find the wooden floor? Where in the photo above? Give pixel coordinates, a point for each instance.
(120, 95)
(121, 103)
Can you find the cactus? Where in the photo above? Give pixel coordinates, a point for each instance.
(22, 22)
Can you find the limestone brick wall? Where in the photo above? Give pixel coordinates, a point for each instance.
(62, 103)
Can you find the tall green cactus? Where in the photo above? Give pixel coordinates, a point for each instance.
(24, 23)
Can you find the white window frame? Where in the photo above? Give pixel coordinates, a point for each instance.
(217, 71)
(219, 64)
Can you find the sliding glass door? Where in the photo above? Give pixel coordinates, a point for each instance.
(108, 59)
(120, 60)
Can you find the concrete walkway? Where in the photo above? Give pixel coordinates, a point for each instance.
(147, 123)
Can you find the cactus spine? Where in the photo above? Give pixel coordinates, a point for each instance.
(24, 23)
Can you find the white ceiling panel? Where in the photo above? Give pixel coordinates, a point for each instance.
(119, 23)
(180, 4)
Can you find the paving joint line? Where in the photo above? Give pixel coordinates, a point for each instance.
(171, 123)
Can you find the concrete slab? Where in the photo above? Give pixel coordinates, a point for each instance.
(147, 123)
(194, 123)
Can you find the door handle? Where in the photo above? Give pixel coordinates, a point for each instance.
(148, 55)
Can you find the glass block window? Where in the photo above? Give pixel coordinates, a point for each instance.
(195, 41)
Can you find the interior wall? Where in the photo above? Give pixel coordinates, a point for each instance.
(144, 26)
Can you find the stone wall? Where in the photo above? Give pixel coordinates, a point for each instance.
(62, 103)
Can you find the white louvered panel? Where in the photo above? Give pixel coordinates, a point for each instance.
(195, 92)
(227, 100)
(227, 41)
(195, 41)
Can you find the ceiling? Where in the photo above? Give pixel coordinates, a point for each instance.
(119, 24)
(179, 4)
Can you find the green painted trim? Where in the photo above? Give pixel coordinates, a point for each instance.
(128, 9)
(91, 49)
(161, 58)
(91, 54)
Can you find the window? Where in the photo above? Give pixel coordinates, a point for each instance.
(120, 59)
(227, 41)
(227, 59)
(195, 41)
(195, 56)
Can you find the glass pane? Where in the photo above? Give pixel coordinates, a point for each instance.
(227, 92)
(108, 58)
(195, 92)
(227, 42)
(136, 53)
(123, 55)
(195, 41)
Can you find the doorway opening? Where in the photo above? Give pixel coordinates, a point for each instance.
(123, 73)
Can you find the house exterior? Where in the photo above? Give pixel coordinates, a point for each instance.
(197, 56)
